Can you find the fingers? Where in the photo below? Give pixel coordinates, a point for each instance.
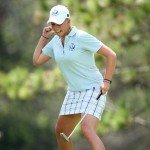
(47, 31)
(105, 87)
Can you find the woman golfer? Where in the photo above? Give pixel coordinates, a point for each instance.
(73, 50)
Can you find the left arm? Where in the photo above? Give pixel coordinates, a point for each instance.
(111, 57)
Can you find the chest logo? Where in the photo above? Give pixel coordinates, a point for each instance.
(72, 47)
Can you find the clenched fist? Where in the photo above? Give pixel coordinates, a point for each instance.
(105, 87)
(47, 32)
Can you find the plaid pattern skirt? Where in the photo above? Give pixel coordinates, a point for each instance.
(83, 102)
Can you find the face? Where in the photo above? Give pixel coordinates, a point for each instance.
(63, 29)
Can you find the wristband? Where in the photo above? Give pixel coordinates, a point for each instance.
(107, 80)
(45, 37)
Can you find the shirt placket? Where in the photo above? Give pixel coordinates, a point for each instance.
(65, 45)
(61, 47)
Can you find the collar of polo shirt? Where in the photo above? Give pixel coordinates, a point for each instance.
(72, 32)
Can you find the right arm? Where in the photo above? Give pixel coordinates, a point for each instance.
(38, 57)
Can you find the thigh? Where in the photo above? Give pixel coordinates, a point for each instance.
(66, 123)
(90, 122)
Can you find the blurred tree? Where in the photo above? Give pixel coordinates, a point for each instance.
(30, 99)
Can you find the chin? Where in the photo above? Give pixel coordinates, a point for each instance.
(61, 35)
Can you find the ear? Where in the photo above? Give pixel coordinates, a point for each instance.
(68, 20)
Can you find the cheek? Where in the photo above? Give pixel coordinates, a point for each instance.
(56, 29)
(65, 28)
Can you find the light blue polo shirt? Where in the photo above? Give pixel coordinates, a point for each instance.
(76, 59)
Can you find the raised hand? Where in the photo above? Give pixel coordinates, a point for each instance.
(47, 32)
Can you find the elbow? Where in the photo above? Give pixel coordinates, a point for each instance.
(35, 64)
(114, 55)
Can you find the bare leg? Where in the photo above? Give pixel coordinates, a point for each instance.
(88, 127)
(65, 124)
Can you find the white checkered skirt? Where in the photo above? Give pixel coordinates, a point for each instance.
(84, 102)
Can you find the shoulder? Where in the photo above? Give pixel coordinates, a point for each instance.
(81, 33)
(83, 36)
(53, 40)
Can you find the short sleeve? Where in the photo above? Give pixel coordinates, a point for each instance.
(48, 49)
(89, 42)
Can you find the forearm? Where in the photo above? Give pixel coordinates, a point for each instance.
(111, 58)
(110, 66)
(38, 50)
(47, 35)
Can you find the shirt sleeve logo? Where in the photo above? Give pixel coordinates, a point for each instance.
(72, 47)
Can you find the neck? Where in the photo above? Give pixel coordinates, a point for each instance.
(69, 30)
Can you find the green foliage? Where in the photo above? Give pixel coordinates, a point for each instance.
(115, 118)
(27, 116)
(22, 132)
(30, 99)
(20, 84)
